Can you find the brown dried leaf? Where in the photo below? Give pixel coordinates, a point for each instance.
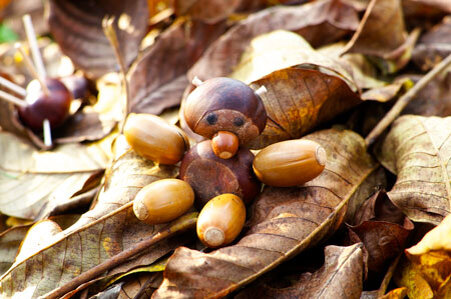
(77, 28)
(284, 222)
(434, 99)
(77, 251)
(208, 11)
(429, 262)
(398, 293)
(382, 34)
(157, 80)
(11, 239)
(300, 98)
(421, 9)
(320, 22)
(9, 245)
(35, 179)
(126, 176)
(433, 46)
(86, 126)
(304, 88)
(383, 241)
(339, 277)
(418, 149)
(140, 286)
(381, 30)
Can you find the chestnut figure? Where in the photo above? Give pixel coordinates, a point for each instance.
(225, 104)
(290, 163)
(221, 220)
(210, 175)
(55, 106)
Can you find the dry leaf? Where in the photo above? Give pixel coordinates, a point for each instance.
(9, 244)
(381, 30)
(383, 229)
(426, 272)
(398, 293)
(339, 277)
(157, 80)
(77, 251)
(209, 11)
(36, 179)
(284, 222)
(434, 99)
(126, 176)
(382, 33)
(308, 20)
(77, 28)
(433, 46)
(418, 149)
(304, 88)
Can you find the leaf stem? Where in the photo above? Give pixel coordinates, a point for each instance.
(110, 33)
(404, 100)
(183, 223)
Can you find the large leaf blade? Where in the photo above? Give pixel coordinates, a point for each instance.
(284, 222)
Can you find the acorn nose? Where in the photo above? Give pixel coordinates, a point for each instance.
(225, 144)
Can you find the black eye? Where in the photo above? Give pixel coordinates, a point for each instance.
(238, 121)
(212, 119)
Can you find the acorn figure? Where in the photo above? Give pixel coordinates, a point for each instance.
(227, 111)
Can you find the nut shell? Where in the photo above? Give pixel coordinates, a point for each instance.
(153, 138)
(225, 104)
(210, 175)
(163, 201)
(54, 107)
(221, 220)
(289, 163)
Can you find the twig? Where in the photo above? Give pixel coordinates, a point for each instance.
(34, 48)
(12, 99)
(404, 100)
(47, 131)
(12, 86)
(32, 69)
(110, 33)
(182, 224)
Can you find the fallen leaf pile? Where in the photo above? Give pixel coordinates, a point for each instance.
(331, 70)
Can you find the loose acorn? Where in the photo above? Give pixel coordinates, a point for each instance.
(221, 220)
(54, 106)
(289, 163)
(163, 201)
(210, 175)
(225, 104)
(153, 138)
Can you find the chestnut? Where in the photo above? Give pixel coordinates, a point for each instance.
(53, 106)
(221, 220)
(290, 163)
(163, 201)
(210, 175)
(155, 139)
(225, 104)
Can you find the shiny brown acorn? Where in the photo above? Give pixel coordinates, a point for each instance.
(210, 175)
(221, 220)
(225, 105)
(153, 138)
(289, 163)
(163, 201)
